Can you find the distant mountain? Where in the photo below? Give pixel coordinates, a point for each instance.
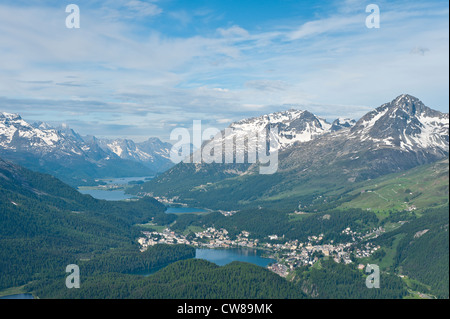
(153, 152)
(406, 124)
(294, 126)
(396, 136)
(342, 123)
(75, 159)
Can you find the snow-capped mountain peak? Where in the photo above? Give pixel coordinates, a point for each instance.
(152, 151)
(64, 144)
(293, 126)
(16, 133)
(405, 122)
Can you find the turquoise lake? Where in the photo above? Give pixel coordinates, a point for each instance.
(223, 257)
(18, 296)
(184, 210)
(114, 194)
(106, 195)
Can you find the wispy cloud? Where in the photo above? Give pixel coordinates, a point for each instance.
(317, 27)
(234, 31)
(142, 8)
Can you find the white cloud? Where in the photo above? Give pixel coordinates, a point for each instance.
(142, 8)
(224, 121)
(267, 85)
(317, 27)
(234, 31)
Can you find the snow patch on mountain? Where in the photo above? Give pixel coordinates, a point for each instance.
(407, 123)
(42, 139)
(293, 126)
(13, 127)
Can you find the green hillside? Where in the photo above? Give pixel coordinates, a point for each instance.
(46, 225)
(328, 279)
(419, 249)
(419, 188)
(191, 279)
(200, 279)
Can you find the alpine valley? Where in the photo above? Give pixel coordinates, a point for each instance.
(345, 194)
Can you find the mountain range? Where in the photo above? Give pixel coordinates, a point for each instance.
(315, 157)
(313, 154)
(366, 175)
(293, 126)
(75, 159)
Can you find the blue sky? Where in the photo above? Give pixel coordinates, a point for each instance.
(137, 69)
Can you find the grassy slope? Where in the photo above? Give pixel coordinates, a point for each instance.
(423, 187)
